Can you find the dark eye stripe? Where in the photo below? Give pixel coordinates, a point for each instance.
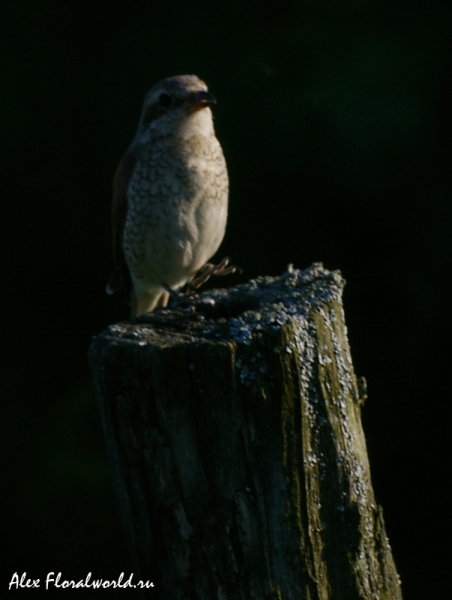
(153, 112)
(165, 100)
(164, 103)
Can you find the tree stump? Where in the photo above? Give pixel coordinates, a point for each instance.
(234, 433)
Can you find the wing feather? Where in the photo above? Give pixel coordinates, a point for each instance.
(120, 276)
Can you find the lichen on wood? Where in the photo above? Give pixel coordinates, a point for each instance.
(234, 432)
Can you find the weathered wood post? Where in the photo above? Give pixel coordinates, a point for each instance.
(239, 461)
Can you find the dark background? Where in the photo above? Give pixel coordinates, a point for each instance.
(335, 119)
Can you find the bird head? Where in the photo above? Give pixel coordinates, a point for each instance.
(174, 105)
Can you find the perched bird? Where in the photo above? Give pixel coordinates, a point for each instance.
(170, 196)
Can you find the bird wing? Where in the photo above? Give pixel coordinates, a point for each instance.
(120, 276)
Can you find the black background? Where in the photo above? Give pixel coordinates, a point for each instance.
(335, 119)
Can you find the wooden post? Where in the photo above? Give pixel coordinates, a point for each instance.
(239, 460)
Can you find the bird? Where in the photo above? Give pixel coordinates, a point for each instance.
(170, 197)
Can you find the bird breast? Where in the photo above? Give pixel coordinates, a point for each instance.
(177, 208)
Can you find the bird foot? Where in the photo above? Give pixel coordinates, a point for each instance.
(185, 299)
(221, 269)
(179, 299)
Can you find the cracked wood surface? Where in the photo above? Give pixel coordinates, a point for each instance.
(234, 432)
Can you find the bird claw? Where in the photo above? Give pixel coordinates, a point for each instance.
(179, 299)
(184, 300)
(221, 269)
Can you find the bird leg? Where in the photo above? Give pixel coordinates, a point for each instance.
(221, 269)
(184, 299)
(178, 298)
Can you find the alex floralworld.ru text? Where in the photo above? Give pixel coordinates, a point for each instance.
(57, 581)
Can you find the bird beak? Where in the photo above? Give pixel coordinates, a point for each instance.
(200, 100)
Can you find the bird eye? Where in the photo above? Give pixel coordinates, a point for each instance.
(165, 100)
